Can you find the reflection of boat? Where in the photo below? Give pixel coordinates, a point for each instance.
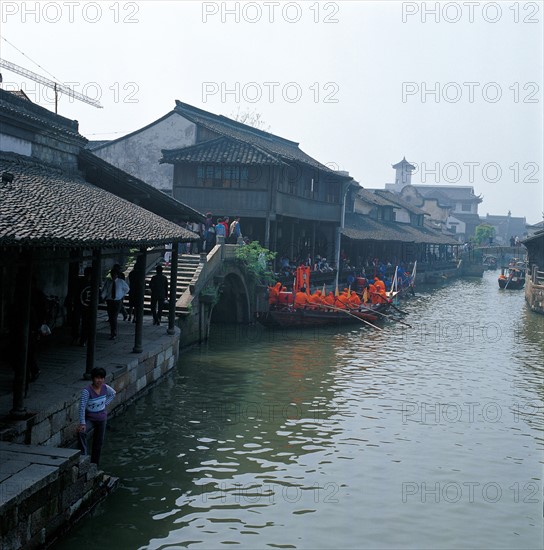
(512, 277)
(291, 317)
(490, 262)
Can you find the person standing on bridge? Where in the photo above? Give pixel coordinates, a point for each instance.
(235, 230)
(159, 294)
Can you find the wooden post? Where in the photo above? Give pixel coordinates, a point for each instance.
(93, 312)
(140, 265)
(23, 327)
(173, 289)
(267, 232)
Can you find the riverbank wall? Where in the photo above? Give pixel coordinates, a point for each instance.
(534, 291)
(44, 486)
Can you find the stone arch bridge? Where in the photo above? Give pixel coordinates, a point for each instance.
(218, 292)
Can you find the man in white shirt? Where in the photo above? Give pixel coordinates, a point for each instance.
(114, 290)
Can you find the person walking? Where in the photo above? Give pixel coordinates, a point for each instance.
(159, 294)
(113, 292)
(93, 413)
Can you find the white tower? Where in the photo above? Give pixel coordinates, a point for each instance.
(403, 175)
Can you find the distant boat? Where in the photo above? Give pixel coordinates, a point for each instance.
(512, 277)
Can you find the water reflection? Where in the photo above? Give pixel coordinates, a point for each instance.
(424, 437)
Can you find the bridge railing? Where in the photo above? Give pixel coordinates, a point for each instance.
(209, 265)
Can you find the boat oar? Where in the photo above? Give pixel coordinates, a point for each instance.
(383, 314)
(348, 313)
(387, 316)
(399, 310)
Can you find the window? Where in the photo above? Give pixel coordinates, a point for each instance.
(466, 207)
(222, 176)
(333, 192)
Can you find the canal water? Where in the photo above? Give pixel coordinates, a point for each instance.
(429, 436)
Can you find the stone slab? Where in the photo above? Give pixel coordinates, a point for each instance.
(8, 466)
(37, 450)
(26, 482)
(48, 460)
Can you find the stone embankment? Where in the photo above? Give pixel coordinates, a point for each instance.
(44, 486)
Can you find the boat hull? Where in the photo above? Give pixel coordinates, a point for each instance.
(514, 284)
(315, 318)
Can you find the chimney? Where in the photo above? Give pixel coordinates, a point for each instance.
(7, 177)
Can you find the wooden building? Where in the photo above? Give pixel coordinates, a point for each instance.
(287, 200)
(534, 287)
(380, 224)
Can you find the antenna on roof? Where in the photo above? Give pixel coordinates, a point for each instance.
(49, 83)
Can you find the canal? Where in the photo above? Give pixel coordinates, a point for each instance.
(421, 437)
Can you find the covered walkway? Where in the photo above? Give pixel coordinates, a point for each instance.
(52, 400)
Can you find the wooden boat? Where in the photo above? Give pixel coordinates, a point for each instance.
(512, 277)
(284, 313)
(307, 317)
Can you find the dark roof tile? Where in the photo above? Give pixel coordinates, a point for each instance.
(44, 207)
(223, 150)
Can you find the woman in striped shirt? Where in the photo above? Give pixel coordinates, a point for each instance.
(93, 413)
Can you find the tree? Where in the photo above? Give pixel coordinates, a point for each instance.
(251, 118)
(484, 234)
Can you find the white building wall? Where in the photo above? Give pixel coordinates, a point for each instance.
(402, 216)
(460, 227)
(139, 153)
(11, 144)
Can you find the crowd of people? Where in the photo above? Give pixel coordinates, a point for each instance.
(208, 231)
(363, 292)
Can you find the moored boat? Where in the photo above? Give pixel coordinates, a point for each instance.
(512, 278)
(307, 317)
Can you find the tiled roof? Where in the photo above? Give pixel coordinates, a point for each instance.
(23, 111)
(21, 94)
(106, 176)
(537, 238)
(223, 150)
(96, 144)
(452, 192)
(368, 195)
(363, 228)
(402, 163)
(398, 201)
(45, 207)
(285, 149)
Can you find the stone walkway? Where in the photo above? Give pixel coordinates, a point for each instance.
(62, 366)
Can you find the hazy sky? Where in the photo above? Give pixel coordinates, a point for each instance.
(455, 87)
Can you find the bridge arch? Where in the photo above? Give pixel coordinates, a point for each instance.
(234, 305)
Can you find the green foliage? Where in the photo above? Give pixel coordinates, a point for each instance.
(256, 259)
(210, 294)
(483, 233)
